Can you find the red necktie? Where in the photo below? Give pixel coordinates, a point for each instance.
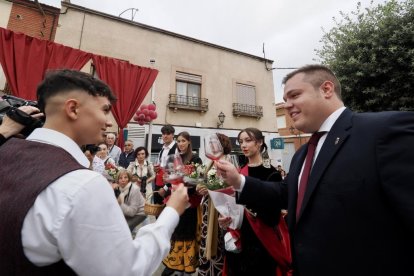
(313, 142)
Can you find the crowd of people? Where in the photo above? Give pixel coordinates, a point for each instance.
(320, 219)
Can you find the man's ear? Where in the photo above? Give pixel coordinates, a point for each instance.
(328, 88)
(71, 108)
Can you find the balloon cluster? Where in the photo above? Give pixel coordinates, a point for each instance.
(145, 114)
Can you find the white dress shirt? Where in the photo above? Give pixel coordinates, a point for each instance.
(77, 219)
(166, 149)
(325, 127)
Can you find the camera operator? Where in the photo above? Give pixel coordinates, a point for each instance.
(9, 127)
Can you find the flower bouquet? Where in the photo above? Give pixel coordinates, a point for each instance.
(194, 174)
(213, 182)
(111, 170)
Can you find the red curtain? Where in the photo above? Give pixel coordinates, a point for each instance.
(25, 60)
(129, 82)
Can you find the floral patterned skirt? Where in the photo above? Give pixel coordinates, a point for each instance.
(183, 256)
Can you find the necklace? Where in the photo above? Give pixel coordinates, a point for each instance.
(255, 164)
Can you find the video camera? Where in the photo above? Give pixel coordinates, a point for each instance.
(9, 106)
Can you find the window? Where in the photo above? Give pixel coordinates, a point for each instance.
(281, 121)
(246, 94)
(188, 88)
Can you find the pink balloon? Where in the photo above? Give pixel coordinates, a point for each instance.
(152, 113)
(147, 118)
(141, 117)
(152, 107)
(138, 112)
(141, 123)
(154, 116)
(135, 118)
(144, 106)
(145, 112)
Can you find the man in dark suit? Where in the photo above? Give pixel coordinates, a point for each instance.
(357, 212)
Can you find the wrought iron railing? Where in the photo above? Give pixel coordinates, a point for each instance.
(186, 102)
(247, 110)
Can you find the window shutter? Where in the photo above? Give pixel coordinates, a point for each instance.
(188, 77)
(246, 94)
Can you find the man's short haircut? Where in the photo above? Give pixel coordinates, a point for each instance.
(64, 81)
(316, 74)
(167, 129)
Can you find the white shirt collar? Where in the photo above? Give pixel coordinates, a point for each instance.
(58, 139)
(169, 146)
(330, 121)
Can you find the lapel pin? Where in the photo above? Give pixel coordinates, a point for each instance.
(337, 141)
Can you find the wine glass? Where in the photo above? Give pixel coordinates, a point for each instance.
(212, 147)
(173, 168)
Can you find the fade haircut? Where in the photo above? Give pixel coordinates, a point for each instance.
(65, 80)
(316, 74)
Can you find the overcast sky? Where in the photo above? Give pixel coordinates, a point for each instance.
(290, 29)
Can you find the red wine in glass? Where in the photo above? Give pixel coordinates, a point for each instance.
(213, 157)
(212, 147)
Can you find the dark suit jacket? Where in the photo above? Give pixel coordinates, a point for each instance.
(357, 216)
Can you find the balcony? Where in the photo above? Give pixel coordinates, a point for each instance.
(247, 110)
(189, 103)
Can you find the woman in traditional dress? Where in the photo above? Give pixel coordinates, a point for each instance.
(183, 256)
(254, 258)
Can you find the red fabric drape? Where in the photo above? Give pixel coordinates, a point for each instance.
(25, 60)
(129, 82)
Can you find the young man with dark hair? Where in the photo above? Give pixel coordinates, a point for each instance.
(60, 218)
(169, 147)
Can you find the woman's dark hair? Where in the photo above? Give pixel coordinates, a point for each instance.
(225, 143)
(188, 154)
(64, 81)
(93, 149)
(140, 149)
(256, 135)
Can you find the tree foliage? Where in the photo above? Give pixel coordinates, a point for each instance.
(372, 53)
